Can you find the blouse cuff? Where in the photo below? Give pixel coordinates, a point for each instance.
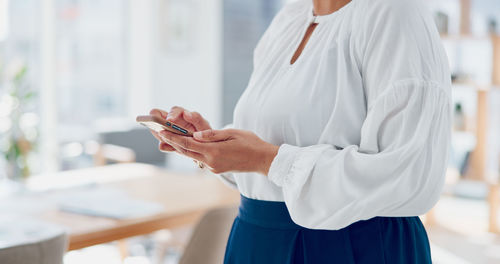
(228, 179)
(282, 164)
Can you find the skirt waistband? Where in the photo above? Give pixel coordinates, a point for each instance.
(272, 214)
(269, 214)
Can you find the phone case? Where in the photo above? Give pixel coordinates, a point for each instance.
(157, 124)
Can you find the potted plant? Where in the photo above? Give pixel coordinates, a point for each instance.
(18, 123)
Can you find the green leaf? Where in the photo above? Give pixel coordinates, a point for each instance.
(17, 150)
(29, 95)
(20, 75)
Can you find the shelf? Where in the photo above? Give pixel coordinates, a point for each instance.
(475, 86)
(458, 37)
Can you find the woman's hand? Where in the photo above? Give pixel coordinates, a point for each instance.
(225, 150)
(192, 121)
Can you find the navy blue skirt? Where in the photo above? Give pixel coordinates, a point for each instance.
(263, 232)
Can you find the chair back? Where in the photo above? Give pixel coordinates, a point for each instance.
(207, 244)
(140, 140)
(47, 251)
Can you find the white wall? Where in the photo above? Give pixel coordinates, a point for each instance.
(190, 77)
(48, 112)
(140, 57)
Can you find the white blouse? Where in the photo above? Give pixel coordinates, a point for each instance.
(362, 118)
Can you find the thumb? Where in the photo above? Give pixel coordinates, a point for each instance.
(211, 135)
(196, 120)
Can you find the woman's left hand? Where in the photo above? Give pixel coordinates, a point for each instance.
(226, 150)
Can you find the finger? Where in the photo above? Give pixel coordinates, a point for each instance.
(164, 147)
(159, 113)
(196, 120)
(175, 112)
(187, 143)
(177, 148)
(211, 135)
(176, 116)
(191, 154)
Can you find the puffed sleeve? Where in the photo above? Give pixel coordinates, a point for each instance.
(227, 177)
(398, 168)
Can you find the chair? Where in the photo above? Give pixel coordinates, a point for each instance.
(207, 244)
(130, 145)
(46, 251)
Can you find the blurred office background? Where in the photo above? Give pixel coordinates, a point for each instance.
(75, 73)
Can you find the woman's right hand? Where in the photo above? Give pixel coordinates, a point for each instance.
(192, 121)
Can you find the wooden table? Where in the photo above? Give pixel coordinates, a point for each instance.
(184, 197)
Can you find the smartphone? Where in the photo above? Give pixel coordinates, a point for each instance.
(158, 124)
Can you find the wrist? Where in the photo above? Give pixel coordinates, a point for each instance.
(268, 154)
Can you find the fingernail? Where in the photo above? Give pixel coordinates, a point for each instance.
(197, 135)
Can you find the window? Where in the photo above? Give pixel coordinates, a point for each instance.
(90, 64)
(83, 47)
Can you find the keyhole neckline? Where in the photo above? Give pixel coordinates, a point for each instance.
(312, 18)
(302, 46)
